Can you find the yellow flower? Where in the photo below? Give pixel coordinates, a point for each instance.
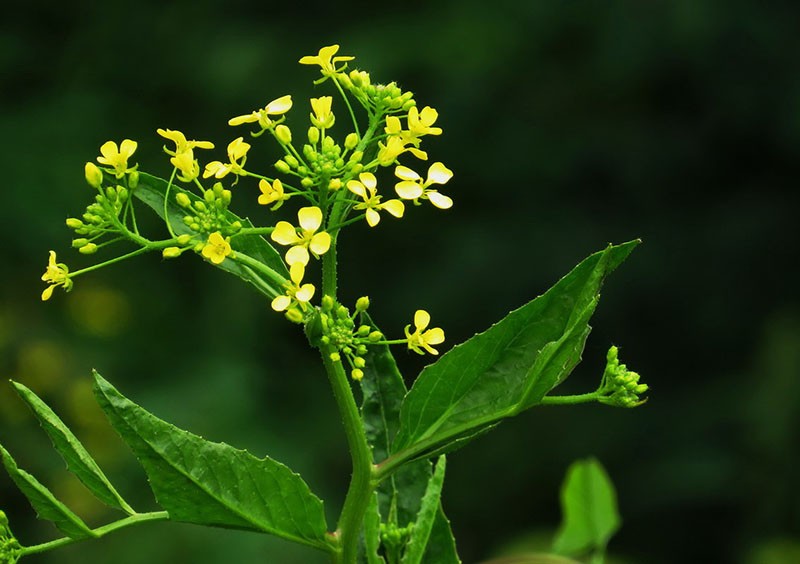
(56, 274)
(420, 338)
(272, 193)
(216, 248)
(419, 123)
(187, 165)
(296, 293)
(182, 145)
(411, 186)
(117, 157)
(326, 60)
(394, 147)
(303, 238)
(366, 188)
(322, 116)
(237, 155)
(277, 107)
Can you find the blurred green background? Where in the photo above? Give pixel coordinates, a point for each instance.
(568, 125)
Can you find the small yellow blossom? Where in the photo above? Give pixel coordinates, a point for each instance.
(56, 274)
(420, 123)
(237, 155)
(366, 188)
(182, 145)
(296, 293)
(322, 117)
(217, 248)
(394, 147)
(271, 193)
(277, 107)
(422, 338)
(117, 157)
(411, 186)
(326, 60)
(303, 238)
(187, 165)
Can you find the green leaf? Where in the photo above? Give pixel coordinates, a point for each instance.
(151, 191)
(44, 502)
(441, 547)
(429, 509)
(77, 458)
(207, 483)
(509, 367)
(589, 506)
(372, 532)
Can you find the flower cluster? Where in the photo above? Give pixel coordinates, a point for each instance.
(620, 386)
(9, 547)
(339, 330)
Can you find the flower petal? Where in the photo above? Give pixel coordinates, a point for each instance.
(439, 200)
(438, 174)
(284, 233)
(279, 105)
(320, 243)
(394, 207)
(280, 303)
(433, 336)
(408, 190)
(405, 173)
(297, 254)
(310, 218)
(421, 319)
(373, 217)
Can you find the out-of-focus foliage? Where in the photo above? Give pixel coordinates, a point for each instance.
(568, 125)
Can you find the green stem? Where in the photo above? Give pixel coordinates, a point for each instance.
(361, 486)
(571, 400)
(98, 532)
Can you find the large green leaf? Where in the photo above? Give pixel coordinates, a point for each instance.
(44, 502)
(589, 506)
(78, 459)
(208, 483)
(151, 191)
(506, 369)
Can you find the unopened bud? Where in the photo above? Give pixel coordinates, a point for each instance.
(294, 315)
(88, 249)
(335, 357)
(94, 176)
(307, 182)
(283, 134)
(183, 200)
(359, 362)
(171, 252)
(357, 374)
(281, 166)
(327, 303)
(351, 141)
(74, 223)
(183, 239)
(313, 135)
(375, 336)
(362, 303)
(78, 243)
(291, 161)
(334, 184)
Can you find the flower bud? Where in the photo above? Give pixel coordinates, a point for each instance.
(283, 134)
(183, 200)
(74, 223)
(133, 179)
(359, 362)
(88, 249)
(351, 141)
(334, 184)
(171, 252)
(78, 243)
(327, 303)
(291, 161)
(294, 315)
(375, 336)
(307, 182)
(313, 135)
(335, 357)
(184, 239)
(111, 194)
(281, 166)
(613, 354)
(94, 176)
(362, 303)
(200, 206)
(357, 374)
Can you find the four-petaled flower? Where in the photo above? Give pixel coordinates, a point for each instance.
(422, 338)
(304, 238)
(56, 274)
(277, 107)
(322, 116)
(420, 123)
(237, 155)
(366, 188)
(272, 193)
(216, 248)
(295, 292)
(411, 186)
(394, 147)
(117, 157)
(326, 60)
(182, 145)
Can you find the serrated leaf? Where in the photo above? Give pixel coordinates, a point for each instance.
(45, 504)
(507, 368)
(75, 455)
(423, 524)
(151, 191)
(589, 507)
(372, 532)
(206, 483)
(441, 547)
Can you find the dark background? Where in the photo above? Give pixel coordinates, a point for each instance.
(568, 125)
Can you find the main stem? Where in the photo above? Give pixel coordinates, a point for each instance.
(361, 486)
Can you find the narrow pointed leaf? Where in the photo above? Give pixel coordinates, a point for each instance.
(589, 507)
(206, 483)
(509, 367)
(372, 533)
(429, 509)
(441, 547)
(45, 504)
(151, 191)
(75, 455)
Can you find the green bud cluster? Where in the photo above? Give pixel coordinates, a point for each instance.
(393, 536)
(209, 214)
(338, 328)
(620, 387)
(9, 547)
(101, 217)
(381, 97)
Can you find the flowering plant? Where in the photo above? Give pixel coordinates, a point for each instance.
(392, 511)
